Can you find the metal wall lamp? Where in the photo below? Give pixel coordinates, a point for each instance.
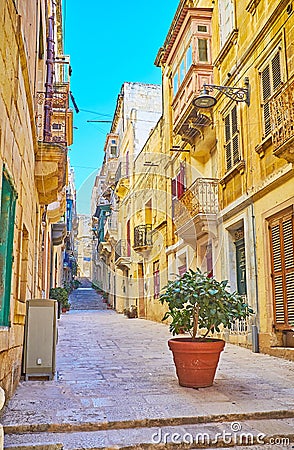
(238, 94)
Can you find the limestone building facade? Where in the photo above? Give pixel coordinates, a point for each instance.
(35, 131)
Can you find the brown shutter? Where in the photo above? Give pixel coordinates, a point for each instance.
(232, 139)
(174, 187)
(276, 71)
(227, 142)
(236, 156)
(271, 79)
(282, 257)
(266, 93)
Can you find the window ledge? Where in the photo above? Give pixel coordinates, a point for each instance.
(231, 40)
(238, 168)
(263, 146)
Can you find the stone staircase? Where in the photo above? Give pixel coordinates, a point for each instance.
(264, 430)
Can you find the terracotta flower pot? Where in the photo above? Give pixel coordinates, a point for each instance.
(196, 361)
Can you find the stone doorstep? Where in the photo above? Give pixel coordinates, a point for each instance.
(69, 427)
(169, 438)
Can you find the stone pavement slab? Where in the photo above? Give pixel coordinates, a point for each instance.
(117, 373)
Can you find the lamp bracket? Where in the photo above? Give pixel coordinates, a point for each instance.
(238, 94)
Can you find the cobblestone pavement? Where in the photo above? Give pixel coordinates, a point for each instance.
(116, 388)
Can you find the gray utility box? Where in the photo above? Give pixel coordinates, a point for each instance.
(40, 338)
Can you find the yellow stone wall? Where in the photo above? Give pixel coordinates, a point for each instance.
(17, 148)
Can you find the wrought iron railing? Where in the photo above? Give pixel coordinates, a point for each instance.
(200, 198)
(282, 115)
(122, 249)
(142, 236)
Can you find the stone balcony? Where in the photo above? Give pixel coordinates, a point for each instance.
(123, 254)
(50, 171)
(282, 116)
(195, 212)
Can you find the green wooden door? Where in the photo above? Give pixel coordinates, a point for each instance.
(7, 213)
(241, 266)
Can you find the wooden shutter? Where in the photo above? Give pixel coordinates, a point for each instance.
(181, 181)
(282, 266)
(7, 215)
(232, 139)
(228, 142)
(156, 279)
(174, 187)
(271, 79)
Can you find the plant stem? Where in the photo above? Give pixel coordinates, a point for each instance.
(195, 322)
(210, 328)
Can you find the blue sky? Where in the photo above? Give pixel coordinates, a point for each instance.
(108, 43)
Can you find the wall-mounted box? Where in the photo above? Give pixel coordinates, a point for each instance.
(40, 338)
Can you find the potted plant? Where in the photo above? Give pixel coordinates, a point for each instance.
(197, 302)
(61, 295)
(131, 312)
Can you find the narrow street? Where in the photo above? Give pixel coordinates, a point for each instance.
(116, 388)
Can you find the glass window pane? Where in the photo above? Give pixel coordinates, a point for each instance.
(176, 83)
(189, 57)
(202, 50)
(182, 71)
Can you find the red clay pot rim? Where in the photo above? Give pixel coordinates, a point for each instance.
(196, 341)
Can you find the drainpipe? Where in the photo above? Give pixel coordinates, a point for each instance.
(49, 80)
(255, 341)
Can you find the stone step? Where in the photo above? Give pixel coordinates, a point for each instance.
(159, 422)
(258, 433)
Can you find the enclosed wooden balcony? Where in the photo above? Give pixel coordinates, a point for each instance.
(282, 116)
(195, 212)
(111, 227)
(54, 118)
(188, 122)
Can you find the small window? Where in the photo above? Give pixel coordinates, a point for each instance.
(56, 126)
(227, 19)
(113, 151)
(113, 141)
(202, 28)
(203, 50)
